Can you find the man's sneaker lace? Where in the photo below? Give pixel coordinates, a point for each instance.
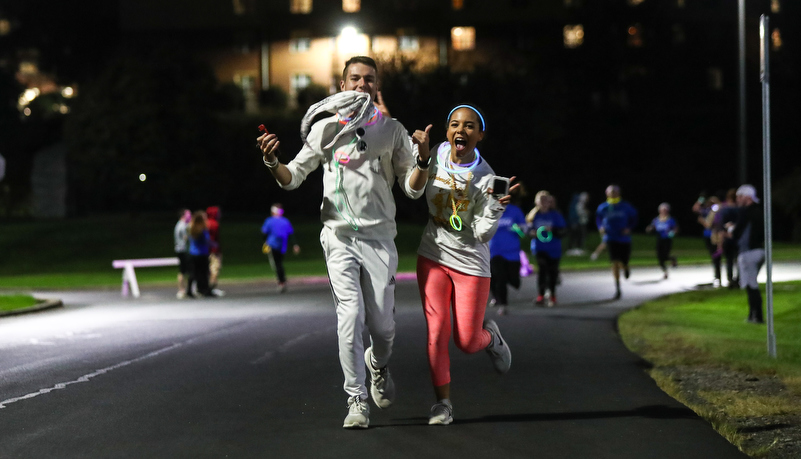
(358, 414)
(498, 350)
(382, 387)
(441, 414)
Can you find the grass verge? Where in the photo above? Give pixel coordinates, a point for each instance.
(707, 329)
(14, 302)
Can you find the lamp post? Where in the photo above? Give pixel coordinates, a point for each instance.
(743, 148)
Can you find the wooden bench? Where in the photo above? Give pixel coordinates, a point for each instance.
(129, 275)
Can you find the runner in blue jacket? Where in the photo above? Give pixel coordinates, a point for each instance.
(616, 219)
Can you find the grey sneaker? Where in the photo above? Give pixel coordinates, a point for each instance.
(441, 414)
(358, 414)
(382, 387)
(498, 350)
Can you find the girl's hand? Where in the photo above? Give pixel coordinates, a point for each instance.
(380, 105)
(508, 198)
(421, 139)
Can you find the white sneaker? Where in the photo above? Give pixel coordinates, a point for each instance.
(382, 387)
(498, 350)
(180, 295)
(594, 256)
(217, 292)
(441, 414)
(358, 414)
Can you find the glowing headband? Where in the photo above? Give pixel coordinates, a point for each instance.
(483, 124)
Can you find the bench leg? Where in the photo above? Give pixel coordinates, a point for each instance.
(129, 277)
(124, 291)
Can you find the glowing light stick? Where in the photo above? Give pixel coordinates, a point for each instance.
(540, 231)
(456, 222)
(441, 152)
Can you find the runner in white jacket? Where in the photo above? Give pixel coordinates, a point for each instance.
(361, 152)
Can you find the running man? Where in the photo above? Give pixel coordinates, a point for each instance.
(615, 220)
(362, 153)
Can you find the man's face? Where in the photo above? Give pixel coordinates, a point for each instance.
(743, 200)
(361, 78)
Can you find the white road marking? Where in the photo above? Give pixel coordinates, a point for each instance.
(87, 377)
(284, 347)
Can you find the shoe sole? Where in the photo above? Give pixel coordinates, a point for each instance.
(356, 425)
(438, 422)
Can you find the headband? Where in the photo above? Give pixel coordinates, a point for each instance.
(480, 117)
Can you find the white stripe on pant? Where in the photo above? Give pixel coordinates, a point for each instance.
(362, 276)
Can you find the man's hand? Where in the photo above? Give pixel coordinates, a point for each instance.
(268, 144)
(379, 104)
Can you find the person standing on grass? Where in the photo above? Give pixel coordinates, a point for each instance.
(546, 227)
(278, 233)
(453, 263)
(749, 232)
(666, 228)
(615, 220)
(362, 152)
(181, 237)
(215, 255)
(728, 214)
(200, 244)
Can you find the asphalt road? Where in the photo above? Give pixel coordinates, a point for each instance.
(256, 375)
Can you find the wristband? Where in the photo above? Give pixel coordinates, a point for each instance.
(423, 164)
(271, 164)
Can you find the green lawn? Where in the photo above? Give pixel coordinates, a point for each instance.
(13, 302)
(77, 252)
(708, 327)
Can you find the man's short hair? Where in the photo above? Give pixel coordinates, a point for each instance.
(359, 60)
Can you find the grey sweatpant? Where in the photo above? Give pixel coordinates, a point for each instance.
(362, 276)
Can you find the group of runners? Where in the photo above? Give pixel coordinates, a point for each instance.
(362, 151)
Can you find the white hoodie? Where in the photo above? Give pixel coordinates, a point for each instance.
(357, 196)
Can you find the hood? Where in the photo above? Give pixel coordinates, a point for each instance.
(213, 212)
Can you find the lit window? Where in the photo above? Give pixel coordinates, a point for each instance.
(635, 2)
(573, 35)
(239, 7)
(457, 4)
(299, 81)
(680, 3)
(408, 43)
(775, 6)
(715, 75)
(635, 36)
(463, 38)
(5, 26)
(351, 6)
(776, 39)
(299, 45)
(300, 6)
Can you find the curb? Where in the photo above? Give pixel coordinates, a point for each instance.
(46, 304)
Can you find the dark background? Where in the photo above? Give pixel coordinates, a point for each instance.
(647, 118)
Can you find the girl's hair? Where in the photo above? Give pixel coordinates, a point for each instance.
(198, 224)
(537, 204)
(475, 109)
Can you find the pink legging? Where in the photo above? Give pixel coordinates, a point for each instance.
(440, 287)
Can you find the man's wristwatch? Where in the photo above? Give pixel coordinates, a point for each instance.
(423, 164)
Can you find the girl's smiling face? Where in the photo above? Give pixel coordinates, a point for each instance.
(464, 133)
